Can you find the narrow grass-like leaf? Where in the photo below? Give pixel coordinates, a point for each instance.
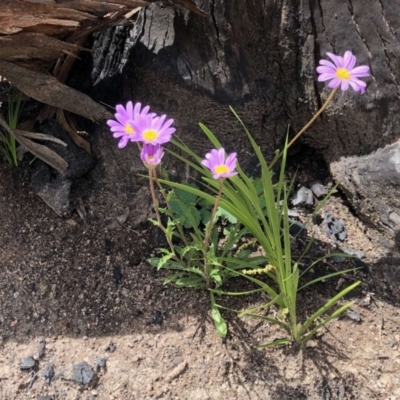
(329, 304)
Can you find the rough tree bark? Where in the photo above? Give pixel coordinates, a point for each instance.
(260, 57)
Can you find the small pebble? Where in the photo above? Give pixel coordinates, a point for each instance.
(27, 363)
(353, 315)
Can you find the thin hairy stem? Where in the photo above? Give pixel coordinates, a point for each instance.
(177, 224)
(208, 234)
(309, 123)
(152, 178)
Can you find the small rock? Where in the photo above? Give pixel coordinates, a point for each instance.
(357, 253)
(101, 363)
(48, 374)
(303, 196)
(311, 344)
(111, 347)
(338, 259)
(27, 363)
(45, 398)
(318, 189)
(81, 373)
(335, 228)
(353, 315)
(293, 213)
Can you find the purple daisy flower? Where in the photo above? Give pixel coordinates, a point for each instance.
(125, 117)
(342, 72)
(151, 155)
(153, 130)
(220, 165)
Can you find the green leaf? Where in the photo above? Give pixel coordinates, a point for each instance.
(191, 282)
(329, 304)
(226, 215)
(219, 322)
(186, 196)
(277, 342)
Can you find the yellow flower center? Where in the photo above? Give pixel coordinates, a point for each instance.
(150, 135)
(220, 169)
(129, 130)
(343, 73)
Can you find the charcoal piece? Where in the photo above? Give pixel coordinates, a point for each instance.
(55, 191)
(296, 228)
(303, 196)
(27, 363)
(317, 219)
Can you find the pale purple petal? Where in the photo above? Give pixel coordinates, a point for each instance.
(123, 142)
(169, 131)
(231, 161)
(328, 64)
(362, 70)
(325, 70)
(168, 123)
(351, 62)
(112, 123)
(355, 86)
(337, 60)
(335, 82)
(206, 163)
(344, 85)
(121, 113)
(326, 76)
(129, 109)
(159, 122)
(221, 156)
(136, 109)
(348, 60)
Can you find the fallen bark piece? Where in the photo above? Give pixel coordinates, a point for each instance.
(371, 184)
(45, 88)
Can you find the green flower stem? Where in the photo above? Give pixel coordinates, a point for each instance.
(152, 178)
(309, 123)
(171, 213)
(208, 234)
